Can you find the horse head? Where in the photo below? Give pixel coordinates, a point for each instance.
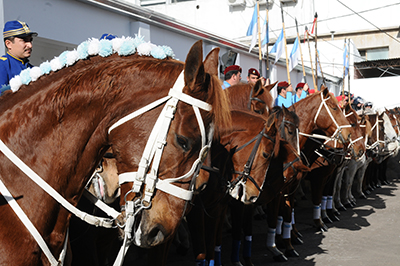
(253, 98)
(321, 111)
(167, 180)
(357, 142)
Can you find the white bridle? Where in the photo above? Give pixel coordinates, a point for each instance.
(156, 143)
(378, 141)
(336, 135)
(152, 157)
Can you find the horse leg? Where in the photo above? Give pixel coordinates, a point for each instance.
(195, 220)
(214, 240)
(326, 201)
(248, 234)
(272, 217)
(317, 180)
(286, 211)
(237, 214)
(338, 206)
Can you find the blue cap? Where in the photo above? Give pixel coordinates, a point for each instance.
(107, 36)
(16, 28)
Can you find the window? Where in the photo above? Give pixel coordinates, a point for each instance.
(375, 53)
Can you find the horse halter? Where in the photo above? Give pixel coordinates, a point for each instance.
(351, 143)
(251, 98)
(338, 132)
(156, 143)
(378, 141)
(244, 175)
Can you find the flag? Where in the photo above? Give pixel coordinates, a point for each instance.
(294, 55)
(313, 25)
(278, 47)
(264, 37)
(345, 61)
(253, 28)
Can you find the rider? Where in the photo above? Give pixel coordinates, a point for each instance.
(301, 92)
(18, 41)
(233, 75)
(285, 94)
(252, 76)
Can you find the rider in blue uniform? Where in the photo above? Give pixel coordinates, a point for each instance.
(232, 76)
(18, 41)
(285, 94)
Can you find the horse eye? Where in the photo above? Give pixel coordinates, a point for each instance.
(183, 142)
(258, 112)
(265, 155)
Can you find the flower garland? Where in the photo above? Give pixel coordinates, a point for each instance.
(123, 46)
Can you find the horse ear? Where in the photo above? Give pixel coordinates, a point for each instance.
(258, 88)
(270, 86)
(194, 68)
(211, 62)
(324, 90)
(347, 108)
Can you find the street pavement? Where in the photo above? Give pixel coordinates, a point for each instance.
(366, 235)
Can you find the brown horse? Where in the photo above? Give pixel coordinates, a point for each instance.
(229, 155)
(252, 98)
(58, 125)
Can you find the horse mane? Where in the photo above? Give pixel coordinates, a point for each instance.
(87, 62)
(220, 105)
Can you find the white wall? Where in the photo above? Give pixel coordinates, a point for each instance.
(382, 92)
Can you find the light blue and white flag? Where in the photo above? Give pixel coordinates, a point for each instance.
(346, 61)
(264, 37)
(253, 29)
(294, 55)
(278, 47)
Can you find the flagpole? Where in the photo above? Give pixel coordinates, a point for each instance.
(284, 40)
(348, 71)
(311, 62)
(344, 71)
(320, 66)
(301, 53)
(266, 32)
(316, 50)
(259, 39)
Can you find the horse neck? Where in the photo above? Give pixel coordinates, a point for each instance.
(306, 110)
(61, 131)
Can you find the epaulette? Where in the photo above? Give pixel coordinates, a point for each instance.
(3, 58)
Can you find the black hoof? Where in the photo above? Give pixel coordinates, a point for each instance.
(342, 208)
(334, 218)
(298, 234)
(363, 196)
(297, 241)
(337, 213)
(327, 220)
(291, 253)
(348, 206)
(322, 227)
(280, 258)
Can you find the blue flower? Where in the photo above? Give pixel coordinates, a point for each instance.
(138, 40)
(127, 47)
(45, 67)
(158, 53)
(25, 76)
(168, 51)
(106, 48)
(83, 50)
(63, 58)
